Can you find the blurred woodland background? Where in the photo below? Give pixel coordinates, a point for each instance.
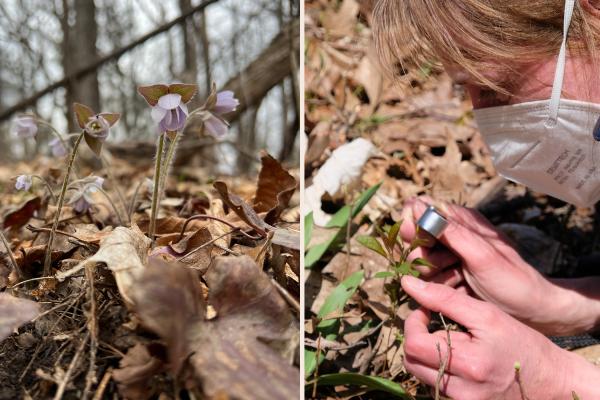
(53, 53)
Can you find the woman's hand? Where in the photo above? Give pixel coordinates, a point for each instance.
(495, 272)
(482, 360)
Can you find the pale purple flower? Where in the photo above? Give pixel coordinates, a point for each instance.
(170, 113)
(23, 183)
(57, 147)
(213, 121)
(82, 200)
(225, 102)
(215, 125)
(97, 127)
(24, 126)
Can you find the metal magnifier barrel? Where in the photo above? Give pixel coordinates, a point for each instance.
(432, 222)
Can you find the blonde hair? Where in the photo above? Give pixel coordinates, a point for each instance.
(480, 36)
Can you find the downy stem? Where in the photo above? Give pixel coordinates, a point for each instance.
(106, 165)
(61, 200)
(155, 193)
(112, 203)
(167, 163)
(134, 199)
(48, 187)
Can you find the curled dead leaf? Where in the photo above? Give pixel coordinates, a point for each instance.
(15, 312)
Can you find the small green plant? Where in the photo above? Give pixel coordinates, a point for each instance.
(397, 253)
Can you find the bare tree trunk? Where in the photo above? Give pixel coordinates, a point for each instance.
(79, 50)
(190, 72)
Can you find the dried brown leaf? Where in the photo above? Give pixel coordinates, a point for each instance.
(241, 208)
(135, 374)
(274, 190)
(19, 217)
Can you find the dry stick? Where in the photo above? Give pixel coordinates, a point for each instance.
(288, 297)
(206, 216)
(155, 192)
(443, 362)
(93, 332)
(61, 200)
(11, 256)
(63, 384)
(211, 241)
(316, 380)
(103, 383)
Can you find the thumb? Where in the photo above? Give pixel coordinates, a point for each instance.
(450, 302)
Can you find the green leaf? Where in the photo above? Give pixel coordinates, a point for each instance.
(152, 93)
(309, 223)
(423, 262)
(94, 143)
(370, 382)
(337, 299)
(384, 274)
(393, 233)
(82, 114)
(371, 243)
(187, 91)
(340, 218)
(310, 361)
(315, 253)
(334, 303)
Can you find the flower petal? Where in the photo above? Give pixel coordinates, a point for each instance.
(226, 102)
(158, 113)
(170, 101)
(215, 126)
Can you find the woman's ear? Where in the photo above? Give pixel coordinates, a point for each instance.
(591, 6)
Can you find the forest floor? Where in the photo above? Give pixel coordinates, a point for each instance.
(425, 142)
(210, 311)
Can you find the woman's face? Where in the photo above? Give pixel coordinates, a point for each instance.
(535, 83)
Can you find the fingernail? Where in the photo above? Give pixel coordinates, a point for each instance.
(413, 282)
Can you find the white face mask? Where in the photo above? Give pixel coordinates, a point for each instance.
(548, 145)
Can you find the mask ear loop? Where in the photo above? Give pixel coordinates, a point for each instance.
(560, 67)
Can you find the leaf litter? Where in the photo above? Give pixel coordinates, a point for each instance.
(211, 312)
(426, 142)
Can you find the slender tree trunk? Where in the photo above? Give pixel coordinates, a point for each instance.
(79, 50)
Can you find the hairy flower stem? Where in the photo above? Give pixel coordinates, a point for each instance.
(156, 192)
(11, 256)
(61, 200)
(168, 161)
(47, 185)
(134, 200)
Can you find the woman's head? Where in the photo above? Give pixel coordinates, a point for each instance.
(498, 45)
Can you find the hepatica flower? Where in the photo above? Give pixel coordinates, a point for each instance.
(82, 199)
(216, 105)
(24, 126)
(23, 183)
(169, 105)
(95, 126)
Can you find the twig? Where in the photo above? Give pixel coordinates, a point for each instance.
(333, 345)
(206, 216)
(90, 377)
(207, 244)
(443, 362)
(288, 297)
(103, 383)
(11, 256)
(63, 384)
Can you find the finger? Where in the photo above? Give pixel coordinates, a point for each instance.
(451, 277)
(448, 384)
(463, 309)
(439, 257)
(432, 349)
